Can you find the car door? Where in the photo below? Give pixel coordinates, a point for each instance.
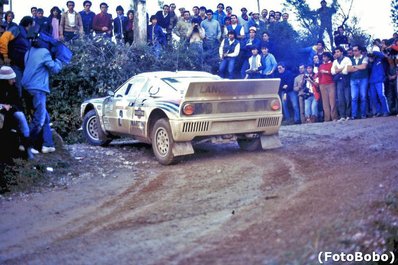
(118, 109)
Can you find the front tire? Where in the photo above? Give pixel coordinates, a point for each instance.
(162, 142)
(92, 130)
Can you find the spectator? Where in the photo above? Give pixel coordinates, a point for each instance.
(11, 106)
(378, 99)
(202, 13)
(358, 82)
(342, 79)
(156, 37)
(196, 34)
(244, 18)
(239, 30)
(254, 64)
(71, 25)
(228, 51)
(278, 16)
(228, 10)
(163, 20)
(285, 17)
(8, 20)
(195, 12)
(341, 39)
(264, 14)
(327, 87)
(325, 16)
(181, 17)
(246, 50)
(286, 92)
(255, 21)
(129, 29)
(268, 63)
(120, 23)
(13, 46)
(311, 95)
(39, 63)
(102, 22)
(212, 32)
(183, 26)
(87, 18)
(299, 87)
(41, 22)
(219, 15)
(33, 11)
(265, 41)
(54, 21)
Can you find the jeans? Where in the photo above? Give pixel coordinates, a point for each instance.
(343, 98)
(377, 94)
(311, 107)
(293, 97)
(19, 116)
(229, 64)
(18, 72)
(40, 120)
(358, 89)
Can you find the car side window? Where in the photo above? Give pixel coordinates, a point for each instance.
(138, 84)
(124, 89)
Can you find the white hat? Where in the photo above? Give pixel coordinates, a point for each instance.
(7, 73)
(252, 28)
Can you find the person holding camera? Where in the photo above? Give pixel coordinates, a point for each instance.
(299, 85)
(35, 80)
(311, 95)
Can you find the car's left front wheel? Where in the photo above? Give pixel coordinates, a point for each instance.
(92, 130)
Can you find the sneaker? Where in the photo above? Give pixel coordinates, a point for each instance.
(341, 119)
(47, 149)
(21, 148)
(348, 118)
(34, 151)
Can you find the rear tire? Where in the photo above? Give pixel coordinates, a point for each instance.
(92, 130)
(162, 142)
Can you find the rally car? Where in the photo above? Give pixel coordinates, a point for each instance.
(171, 110)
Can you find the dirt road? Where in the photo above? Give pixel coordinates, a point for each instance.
(332, 186)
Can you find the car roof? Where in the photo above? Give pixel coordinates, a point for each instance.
(169, 74)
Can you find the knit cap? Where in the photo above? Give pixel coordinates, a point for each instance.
(7, 73)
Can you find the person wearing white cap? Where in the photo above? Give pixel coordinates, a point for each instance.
(11, 105)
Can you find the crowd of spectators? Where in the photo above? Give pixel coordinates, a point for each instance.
(345, 82)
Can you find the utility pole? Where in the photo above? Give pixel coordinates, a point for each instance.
(140, 21)
(258, 6)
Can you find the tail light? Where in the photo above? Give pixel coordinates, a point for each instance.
(188, 109)
(275, 104)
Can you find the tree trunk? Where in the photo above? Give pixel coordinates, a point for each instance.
(140, 28)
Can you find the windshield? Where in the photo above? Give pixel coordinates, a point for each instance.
(181, 83)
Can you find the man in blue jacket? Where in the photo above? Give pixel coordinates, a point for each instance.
(376, 88)
(35, 80)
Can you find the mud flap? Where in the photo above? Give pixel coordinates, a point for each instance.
(182, 148)
(270, 142)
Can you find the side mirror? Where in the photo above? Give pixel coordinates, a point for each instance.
(110, 93)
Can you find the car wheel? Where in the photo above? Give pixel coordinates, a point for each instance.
(92, 130)
(162, 142)
(249, 144)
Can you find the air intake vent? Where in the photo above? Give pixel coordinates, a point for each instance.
(200, 126)
(268, 122)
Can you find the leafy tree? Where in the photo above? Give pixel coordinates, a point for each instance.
(394, 13)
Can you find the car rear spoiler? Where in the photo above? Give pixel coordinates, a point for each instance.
(232, 89)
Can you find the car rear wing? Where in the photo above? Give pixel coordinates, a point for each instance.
(232, 89)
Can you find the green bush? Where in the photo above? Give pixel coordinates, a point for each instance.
(99, 65)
